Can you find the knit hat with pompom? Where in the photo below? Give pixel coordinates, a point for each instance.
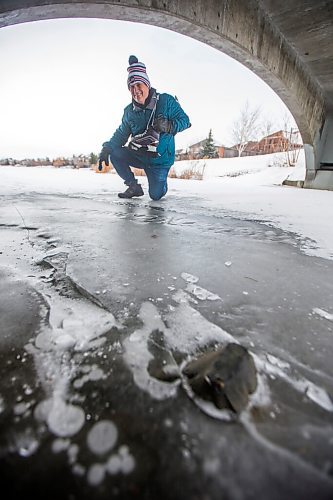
(137, 72)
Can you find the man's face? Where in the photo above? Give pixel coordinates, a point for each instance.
(139, 92)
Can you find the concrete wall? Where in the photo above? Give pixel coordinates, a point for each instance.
(239, 28)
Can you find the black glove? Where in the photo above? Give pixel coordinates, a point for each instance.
(161, 124)
(104, 156)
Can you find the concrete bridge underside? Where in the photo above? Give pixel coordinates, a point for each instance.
(287, 44)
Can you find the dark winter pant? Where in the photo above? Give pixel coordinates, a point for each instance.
(122, 158)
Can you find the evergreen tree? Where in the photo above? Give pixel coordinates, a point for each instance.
(209, 149)
(93, 159)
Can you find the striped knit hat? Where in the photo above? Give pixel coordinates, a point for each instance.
(137, 72)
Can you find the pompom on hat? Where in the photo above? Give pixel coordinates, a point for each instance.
(137, 72)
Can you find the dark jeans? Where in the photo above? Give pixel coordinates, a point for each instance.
(123, 158)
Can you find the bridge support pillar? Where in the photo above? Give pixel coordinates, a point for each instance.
(319, 159)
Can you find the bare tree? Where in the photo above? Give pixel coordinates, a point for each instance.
(293, 140)
(294, 145)
(245, 127)
(266, 127)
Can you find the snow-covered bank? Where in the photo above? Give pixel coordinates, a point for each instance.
(233, 167)
(257, 194)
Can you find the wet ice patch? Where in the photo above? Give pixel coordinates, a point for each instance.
(323, 314)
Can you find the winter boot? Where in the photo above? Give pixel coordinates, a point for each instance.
(133, 189)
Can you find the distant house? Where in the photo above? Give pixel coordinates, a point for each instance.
(226, 152)
(194, 151)
(60, 162)
(273, 143)
(80, 161)
(181, 154)
(280, 141)
(276, 142)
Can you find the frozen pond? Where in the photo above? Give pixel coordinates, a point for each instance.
(96, 292)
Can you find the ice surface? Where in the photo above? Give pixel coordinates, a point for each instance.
(255, 195)
(76, 326)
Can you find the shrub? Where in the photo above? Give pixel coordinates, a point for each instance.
(195, 171)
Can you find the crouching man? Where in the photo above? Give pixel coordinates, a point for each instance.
(149, 123)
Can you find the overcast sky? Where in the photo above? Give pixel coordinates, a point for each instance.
(63, 84)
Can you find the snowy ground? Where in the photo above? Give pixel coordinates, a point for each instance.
(226, 259)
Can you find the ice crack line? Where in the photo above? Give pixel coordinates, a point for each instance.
(17, 210)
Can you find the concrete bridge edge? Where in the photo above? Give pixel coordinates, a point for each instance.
(261, 49)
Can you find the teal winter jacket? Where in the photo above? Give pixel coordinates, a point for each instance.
(135, 120)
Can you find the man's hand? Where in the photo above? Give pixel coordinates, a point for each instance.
(104, 156)
(162, 124)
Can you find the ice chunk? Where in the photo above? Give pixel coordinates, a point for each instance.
(190, 278)
(201, 293)
(138, 356)
(188, 330)
(323, 313)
